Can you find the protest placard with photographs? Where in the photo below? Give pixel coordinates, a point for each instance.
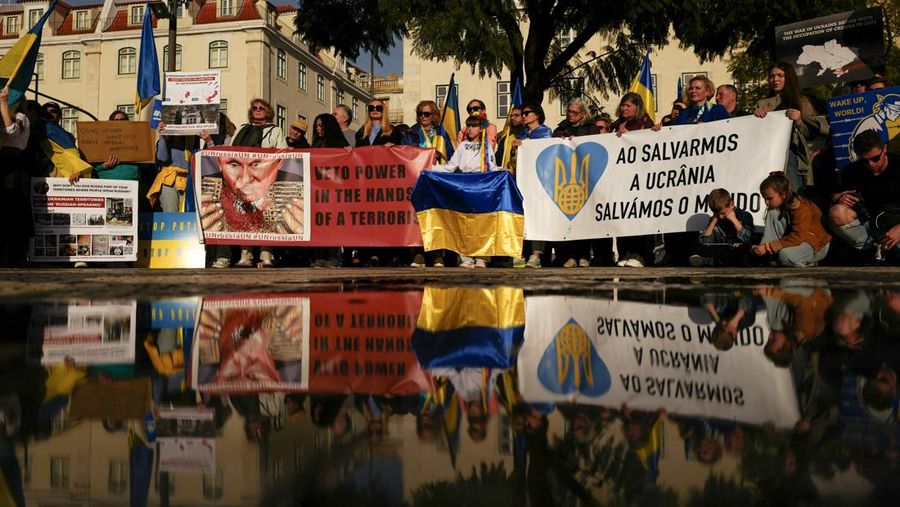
(358, 197)
(312, 342)
(84, 332)
(841, 47)
(191, 103)
(186, 437)
(877, 110)
(91, 220)
(253, 195)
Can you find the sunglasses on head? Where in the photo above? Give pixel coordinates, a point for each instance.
(473, 109)
(371, 108)
(424, 114)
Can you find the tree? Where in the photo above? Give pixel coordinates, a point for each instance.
(524, 36)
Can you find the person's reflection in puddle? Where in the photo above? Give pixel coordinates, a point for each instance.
(880, 388)
(331, 412)
(732, 313)
(852, 320)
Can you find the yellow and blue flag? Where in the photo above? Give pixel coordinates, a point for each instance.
(148, 65)
(60, 148)
(516, 101)
(472, 214)
(450, 113)
(643, 86)
(469, 327)
(649, 453)
(17, 65)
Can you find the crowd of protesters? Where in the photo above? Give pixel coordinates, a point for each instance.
(816, 213)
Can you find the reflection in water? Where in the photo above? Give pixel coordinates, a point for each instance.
(768, 395)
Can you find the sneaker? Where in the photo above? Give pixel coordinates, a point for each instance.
(698, 261)
(246, 258)
(438, 262)
(631, 261)
(468, 263)
(266, 259)
(584, 263)
(418, 261)
(479, 263)
(221, 263)
(81, 264)
(571, 263)
(534, 261)
(519, 262)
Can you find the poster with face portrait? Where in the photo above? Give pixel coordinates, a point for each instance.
(191, 103)
(91, 220)
(253, 196)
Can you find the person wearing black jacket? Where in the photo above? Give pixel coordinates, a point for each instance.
(377, 130)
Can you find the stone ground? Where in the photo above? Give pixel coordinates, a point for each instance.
(113, 283)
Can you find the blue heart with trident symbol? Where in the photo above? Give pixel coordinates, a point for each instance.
(569, 176)
(571, 364)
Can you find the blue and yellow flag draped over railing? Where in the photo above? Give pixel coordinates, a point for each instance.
(450, 113)
(470, 213)
(643, 86)
(469, 327)
(148, 65)
(17, 65)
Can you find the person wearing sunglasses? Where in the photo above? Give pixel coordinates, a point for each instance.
(533, 119)
(476, 108)
(425, 133)
(377, 130)
(866, 212)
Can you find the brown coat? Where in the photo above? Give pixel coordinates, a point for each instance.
(805, 226)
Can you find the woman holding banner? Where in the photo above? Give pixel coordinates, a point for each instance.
(808, 124)
(377, 130)
(533, 119)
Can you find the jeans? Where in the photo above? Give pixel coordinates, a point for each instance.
(859, 235)
(799, 256)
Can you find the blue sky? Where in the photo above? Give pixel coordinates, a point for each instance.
(393, 62)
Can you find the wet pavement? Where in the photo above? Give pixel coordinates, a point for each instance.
(450, 387)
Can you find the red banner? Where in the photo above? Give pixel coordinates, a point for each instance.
(310, 197)
(322, 343)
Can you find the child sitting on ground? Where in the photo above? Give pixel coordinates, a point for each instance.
(793, 230)
(728, 235)
(471, 156)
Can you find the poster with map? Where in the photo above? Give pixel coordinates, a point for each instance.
(842, 47)
(191, 102)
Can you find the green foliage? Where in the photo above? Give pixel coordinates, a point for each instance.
(488, 486)
(351, 26)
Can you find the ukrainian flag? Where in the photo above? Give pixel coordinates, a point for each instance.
(505, 133)
(470, 213)
(148, 65)
(450, 113)
(60, 148)
(469, 327)
(17, 65)
(643, 86)
(649, 453)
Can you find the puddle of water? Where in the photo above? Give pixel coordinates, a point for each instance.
(678, 393)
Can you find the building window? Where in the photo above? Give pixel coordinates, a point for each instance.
(355, 107)
(226, 8)
(118, 477)
(177, 57)
(39, 67)
(687, 76)
(440, 94)
(280, 115)
(82, 20)
(218, 54)
(127, 60)
(334, 101)
(301, 76)
(127, 109)
(213, 486)
(223, 106)
(320, 88)
(59, 473)
(339, 96)
(34, 16)
(137, 15)
(71, 66)
(68, 120)
(281, 64)
(11, 26)
(504, 99)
